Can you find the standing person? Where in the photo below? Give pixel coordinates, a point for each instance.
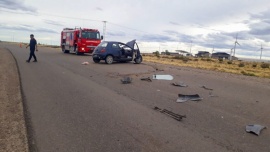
(33, 48)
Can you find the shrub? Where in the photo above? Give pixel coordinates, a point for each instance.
(195, 59)
(247, 74)
(220, 60)
(165, 57)
(229, 62)
(178, 57)
(203, 59)
(241, 64)
(185, 60)
(265, 65)
(254, 65)
(209, 60)
(157, 54)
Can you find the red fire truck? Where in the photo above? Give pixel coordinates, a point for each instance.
(79, 40)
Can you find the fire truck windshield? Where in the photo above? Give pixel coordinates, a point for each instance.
(90, 35)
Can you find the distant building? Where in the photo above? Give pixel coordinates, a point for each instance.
(183, 53)
(163, 53)
(221, 55)
(203, 54)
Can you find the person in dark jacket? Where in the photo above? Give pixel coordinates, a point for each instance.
(33, 48)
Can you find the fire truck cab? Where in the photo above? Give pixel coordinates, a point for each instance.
(80, 40)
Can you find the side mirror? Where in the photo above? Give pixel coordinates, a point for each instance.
(101, 37)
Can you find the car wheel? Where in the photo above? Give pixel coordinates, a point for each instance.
(109, 59)
(138, 60)
(96, 60)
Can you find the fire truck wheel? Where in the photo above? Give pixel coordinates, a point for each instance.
(64, 50)
(96, 60)
(109, 59)
(77, 53)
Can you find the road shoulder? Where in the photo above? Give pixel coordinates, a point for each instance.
(13, 135)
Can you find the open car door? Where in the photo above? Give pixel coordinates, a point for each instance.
(136, 54)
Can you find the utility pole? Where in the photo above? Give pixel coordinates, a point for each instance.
(261, 52)
(104, 29)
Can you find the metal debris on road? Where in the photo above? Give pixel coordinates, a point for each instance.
(206, 88)
(171, 114)
(256, 129)
(147, 79)
(184, 98)
(179, 84)
(162, 77)
(85, 63)
(126, 80)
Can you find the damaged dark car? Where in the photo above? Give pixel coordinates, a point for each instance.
(111, 51)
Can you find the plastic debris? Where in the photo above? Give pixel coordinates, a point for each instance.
(206, 88)
(147, 79)
(256, 129)
(179, 84)
(184, 98)
(171, 114)
(162, 77)
(85, 63)
(126, 80)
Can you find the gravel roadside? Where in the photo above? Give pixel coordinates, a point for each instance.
(13, 135)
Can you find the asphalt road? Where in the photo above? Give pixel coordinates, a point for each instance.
(76, 108)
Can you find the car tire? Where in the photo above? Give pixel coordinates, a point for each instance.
(138, 60)
(96, 60)
(109, 59)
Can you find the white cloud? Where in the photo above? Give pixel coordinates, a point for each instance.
(207, 23)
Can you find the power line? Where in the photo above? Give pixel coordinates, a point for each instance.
(128, 27)
(104, 23)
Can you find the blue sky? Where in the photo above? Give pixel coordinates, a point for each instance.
(194, 25)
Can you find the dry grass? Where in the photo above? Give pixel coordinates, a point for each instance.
(236, 67)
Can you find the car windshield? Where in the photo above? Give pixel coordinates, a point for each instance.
(103, 44)
(90, 35)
